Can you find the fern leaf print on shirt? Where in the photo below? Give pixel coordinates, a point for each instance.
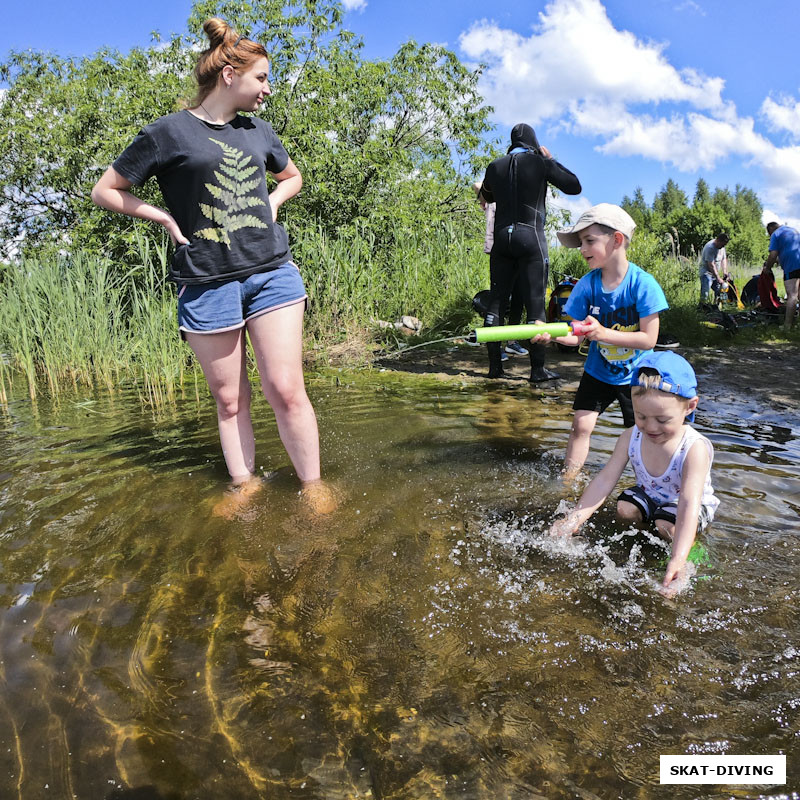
(231, 194)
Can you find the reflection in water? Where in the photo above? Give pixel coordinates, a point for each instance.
(426, 640)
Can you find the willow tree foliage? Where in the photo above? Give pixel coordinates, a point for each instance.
(62, 122)
(385, 144)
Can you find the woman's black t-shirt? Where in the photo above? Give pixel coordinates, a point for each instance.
(213, 178)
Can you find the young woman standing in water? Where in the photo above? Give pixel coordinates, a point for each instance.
(232, 263)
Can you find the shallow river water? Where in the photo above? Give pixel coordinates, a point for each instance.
(426, 640)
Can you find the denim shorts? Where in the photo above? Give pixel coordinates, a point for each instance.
(227, 305)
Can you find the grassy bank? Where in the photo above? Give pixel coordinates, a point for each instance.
(75, 320)
(352, 281)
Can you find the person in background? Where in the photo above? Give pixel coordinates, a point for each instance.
(235, 275)
(713, 266)
(515, 303)
(517, 184)
(784, 248)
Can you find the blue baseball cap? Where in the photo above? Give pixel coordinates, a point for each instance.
(677, 375)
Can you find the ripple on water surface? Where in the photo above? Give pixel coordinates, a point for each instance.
(426, 640)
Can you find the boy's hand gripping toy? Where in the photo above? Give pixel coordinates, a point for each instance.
(579, 328)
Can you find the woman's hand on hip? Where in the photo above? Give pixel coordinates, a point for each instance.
(175, 232)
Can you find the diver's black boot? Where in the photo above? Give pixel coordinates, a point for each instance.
(495, 360)
(538, 371)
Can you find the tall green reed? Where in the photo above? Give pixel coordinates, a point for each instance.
(352, 281)
(61, 320)
(158, 358)
(78, 320)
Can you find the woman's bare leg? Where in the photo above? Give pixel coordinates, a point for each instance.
(222, 357)
(277, 339)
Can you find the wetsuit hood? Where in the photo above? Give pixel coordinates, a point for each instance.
(522, 135)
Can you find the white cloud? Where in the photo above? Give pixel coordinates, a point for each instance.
(781, 168)
(770, 216)
(576, 53)
(573, 205)
(354, 5)
(782, 115)
(578, 72)
(690, 5)
(689, 142)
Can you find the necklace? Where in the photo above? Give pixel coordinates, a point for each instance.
(210, 118)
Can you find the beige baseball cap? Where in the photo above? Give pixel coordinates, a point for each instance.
(602, 214)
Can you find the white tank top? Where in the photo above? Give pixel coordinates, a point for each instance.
(666, 488)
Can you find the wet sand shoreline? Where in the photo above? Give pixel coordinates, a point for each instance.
(768, 375)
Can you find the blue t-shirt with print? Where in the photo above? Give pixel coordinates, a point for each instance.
(637, 296)
(786, 241)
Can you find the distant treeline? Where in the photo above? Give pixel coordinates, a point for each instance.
(684, 227)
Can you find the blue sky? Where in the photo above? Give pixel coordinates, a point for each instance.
(624, 93)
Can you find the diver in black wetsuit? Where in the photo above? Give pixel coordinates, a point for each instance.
(517, 184)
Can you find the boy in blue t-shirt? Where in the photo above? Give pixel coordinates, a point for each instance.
(619, 304)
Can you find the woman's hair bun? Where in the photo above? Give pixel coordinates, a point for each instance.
(225, 48)
(216, 29)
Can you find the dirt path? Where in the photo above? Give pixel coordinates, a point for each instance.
(768, 375)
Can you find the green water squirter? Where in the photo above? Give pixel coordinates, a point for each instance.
(508, 333)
